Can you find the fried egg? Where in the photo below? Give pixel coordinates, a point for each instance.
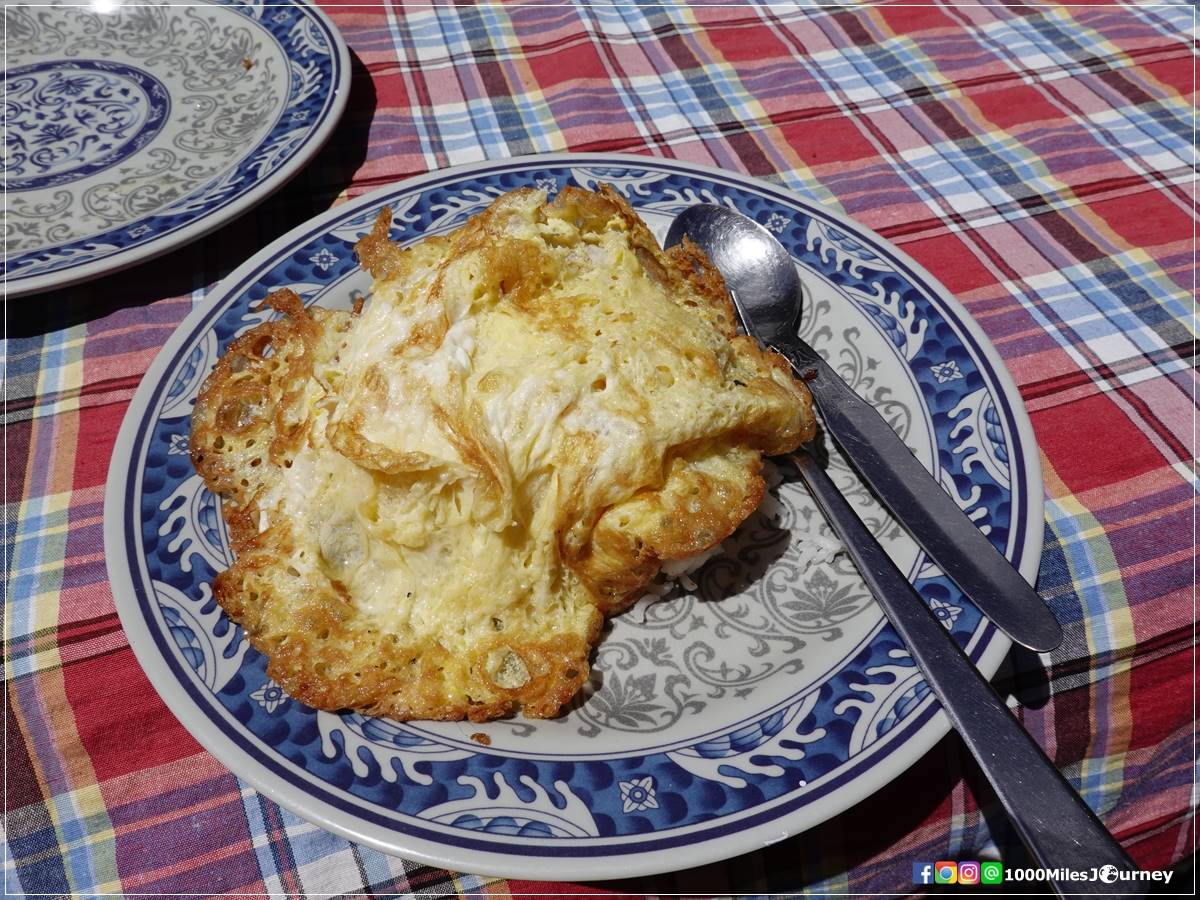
(435, 500)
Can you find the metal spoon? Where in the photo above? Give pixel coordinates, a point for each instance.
(1057, 826)
(767, 291)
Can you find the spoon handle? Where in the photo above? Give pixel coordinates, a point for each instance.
(922, 505)
(1055, 823)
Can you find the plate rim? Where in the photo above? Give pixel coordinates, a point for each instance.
(16, 286)
(900, 755)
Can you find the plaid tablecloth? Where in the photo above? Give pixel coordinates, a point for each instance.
(1037, 159)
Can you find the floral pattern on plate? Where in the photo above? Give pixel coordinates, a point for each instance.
(132, 131)
(764, 700)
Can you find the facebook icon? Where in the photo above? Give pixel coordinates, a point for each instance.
(922, 873)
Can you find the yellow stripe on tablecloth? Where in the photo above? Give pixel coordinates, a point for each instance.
(1107, 627)
(71, 797)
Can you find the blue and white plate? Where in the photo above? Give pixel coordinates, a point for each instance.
(131, 129)
(765, 701)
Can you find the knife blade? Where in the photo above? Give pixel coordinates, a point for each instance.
(919, 503)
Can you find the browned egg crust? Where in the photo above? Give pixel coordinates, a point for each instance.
(289, 392)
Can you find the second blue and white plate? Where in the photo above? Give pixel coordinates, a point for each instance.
(131, 129)
(769, 699)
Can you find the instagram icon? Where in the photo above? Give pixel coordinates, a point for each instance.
(968, 873)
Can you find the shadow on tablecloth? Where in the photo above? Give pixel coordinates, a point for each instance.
(870, 847)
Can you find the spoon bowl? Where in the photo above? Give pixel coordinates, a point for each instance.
(757, 269)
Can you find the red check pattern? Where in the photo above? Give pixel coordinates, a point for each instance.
(1039, 160)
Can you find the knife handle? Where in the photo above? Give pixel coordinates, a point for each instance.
(923, 507)
(1057, 826)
